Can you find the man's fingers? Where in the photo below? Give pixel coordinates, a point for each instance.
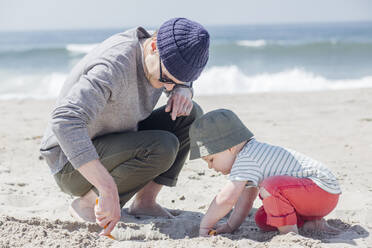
(175, 107)
(179, 105)
(183, 106)
(103, 223)
(168, 108)
(109, 228)
(189, 108)
(100, 217)
(99, 212)
(185, 110)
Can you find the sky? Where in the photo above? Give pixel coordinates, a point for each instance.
(93, 14)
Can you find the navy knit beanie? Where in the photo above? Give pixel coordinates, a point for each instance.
(183, 47)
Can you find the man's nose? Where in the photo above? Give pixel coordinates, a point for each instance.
(169, 87)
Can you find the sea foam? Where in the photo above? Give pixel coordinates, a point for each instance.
(252, 43)
(80, 48)
(36, 86)
(230, 80)
(214, 81)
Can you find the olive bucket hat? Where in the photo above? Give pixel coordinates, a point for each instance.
(216, 131)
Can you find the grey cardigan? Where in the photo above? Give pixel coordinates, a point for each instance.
(106, 92)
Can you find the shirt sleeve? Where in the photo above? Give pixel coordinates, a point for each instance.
(245, 169)
(71, 117)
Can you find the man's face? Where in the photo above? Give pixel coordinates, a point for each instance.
(221, 162)
(157, 70)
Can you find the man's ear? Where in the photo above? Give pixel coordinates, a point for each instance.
(153, 45)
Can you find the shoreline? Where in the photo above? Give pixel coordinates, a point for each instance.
(272, 92)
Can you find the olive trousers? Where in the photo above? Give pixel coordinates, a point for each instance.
(156, 152)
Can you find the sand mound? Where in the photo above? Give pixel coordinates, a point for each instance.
(36, 232)
(181, 231)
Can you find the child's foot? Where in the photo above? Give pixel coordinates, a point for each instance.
(320, 225)
(288, 229)
(154, 210)
(80, 212)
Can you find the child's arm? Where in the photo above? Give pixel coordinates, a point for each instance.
(241, 210)
(221, 205)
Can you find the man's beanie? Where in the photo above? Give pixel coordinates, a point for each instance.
(183, 47)
(216, 131)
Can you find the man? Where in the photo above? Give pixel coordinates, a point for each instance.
(106, 140)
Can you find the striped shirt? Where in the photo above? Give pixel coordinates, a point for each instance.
(257, 161)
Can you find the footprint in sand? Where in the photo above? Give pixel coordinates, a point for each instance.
(20, 201)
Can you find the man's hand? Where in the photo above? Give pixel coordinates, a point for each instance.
(108, 209)
(179, 103)
(107, 212)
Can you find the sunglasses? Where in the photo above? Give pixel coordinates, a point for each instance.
(170, 81)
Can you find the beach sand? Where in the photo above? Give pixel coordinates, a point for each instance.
(334, 127)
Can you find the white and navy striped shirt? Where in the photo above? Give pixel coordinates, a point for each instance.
(257, 161)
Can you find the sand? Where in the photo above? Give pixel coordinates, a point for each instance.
(334, 127)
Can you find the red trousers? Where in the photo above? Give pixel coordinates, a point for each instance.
(292, 201)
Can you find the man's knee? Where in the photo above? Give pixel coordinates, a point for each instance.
(166, 149)
(77, 186)
(168, 143)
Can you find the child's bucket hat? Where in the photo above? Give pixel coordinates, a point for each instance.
(215, 132)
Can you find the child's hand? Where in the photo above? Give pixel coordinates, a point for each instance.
(224, 228)
(204, 232)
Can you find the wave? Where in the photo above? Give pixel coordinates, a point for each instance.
(214, 81)
(84, 48)
(48, 50)
(302, 44)
(251, 43)
(81, 48)
(237, 50)
(28, 52)
(230, 80)
(35, 86)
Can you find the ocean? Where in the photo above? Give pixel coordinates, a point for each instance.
(243, 59)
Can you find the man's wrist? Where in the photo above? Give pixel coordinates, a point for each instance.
(190, 90)
(107, 188)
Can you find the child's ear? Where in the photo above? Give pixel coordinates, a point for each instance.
(232, 149)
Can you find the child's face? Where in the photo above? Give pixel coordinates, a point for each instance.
(221, 162)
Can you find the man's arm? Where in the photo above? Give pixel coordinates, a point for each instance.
(70, 119)
(241, 210)
(221, 205)
(85, 101)
(108, 209)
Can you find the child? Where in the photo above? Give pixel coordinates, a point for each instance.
(295, 190)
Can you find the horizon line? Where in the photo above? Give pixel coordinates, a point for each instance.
(206, 25)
